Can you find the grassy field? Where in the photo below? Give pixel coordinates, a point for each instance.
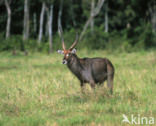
(37, 90)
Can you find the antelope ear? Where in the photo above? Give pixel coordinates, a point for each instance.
(73, 51)
(60, 51)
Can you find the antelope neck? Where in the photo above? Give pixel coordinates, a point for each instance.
(74, 63)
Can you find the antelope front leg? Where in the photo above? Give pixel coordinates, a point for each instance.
(92, 84)
(82, 87)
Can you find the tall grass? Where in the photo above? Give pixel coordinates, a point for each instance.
(38, 90)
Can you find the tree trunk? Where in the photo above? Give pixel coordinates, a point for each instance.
(153, 21)
(95, 13)
(47, 22)
(26, 20)
(153, 18)
(72, 14)
(35, 23)
(50, 29)
(9, 19)
(92, 14)
(152, 14)
(106, 16)
(41, 23)
(60, 14)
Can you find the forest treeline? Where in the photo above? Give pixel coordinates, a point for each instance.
(33, 25)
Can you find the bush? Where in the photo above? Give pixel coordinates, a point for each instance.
(96, 40)
(128, 40)
(143, 37)
(14, 42)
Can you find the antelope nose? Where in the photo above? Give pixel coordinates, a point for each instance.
(64, 61)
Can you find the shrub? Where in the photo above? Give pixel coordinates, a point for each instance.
(131, 39)
(14, 42)
(96, 40)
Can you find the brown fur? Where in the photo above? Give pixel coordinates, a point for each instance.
(91, 70)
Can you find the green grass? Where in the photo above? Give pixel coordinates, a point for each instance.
(37, 90)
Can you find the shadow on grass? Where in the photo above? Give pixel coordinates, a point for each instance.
(10, 109)
(6, 68)
(43, 66)
(73, 99)
(46, 66)
(98, 96)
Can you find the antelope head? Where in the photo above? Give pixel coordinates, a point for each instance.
(67, 52)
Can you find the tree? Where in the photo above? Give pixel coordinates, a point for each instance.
(95, 13)
(152, 14)
(106, 16)
(41, 22)
(26, 20)
(60, 14)
(92, 14)
(7, 4)
(50, 29)
(72, 13)
(34, 23)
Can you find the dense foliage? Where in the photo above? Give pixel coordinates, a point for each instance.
(130, 25)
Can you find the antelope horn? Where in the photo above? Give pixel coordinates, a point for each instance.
(62, 39)
(75, 42)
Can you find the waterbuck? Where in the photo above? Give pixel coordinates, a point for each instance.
(87, 70)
